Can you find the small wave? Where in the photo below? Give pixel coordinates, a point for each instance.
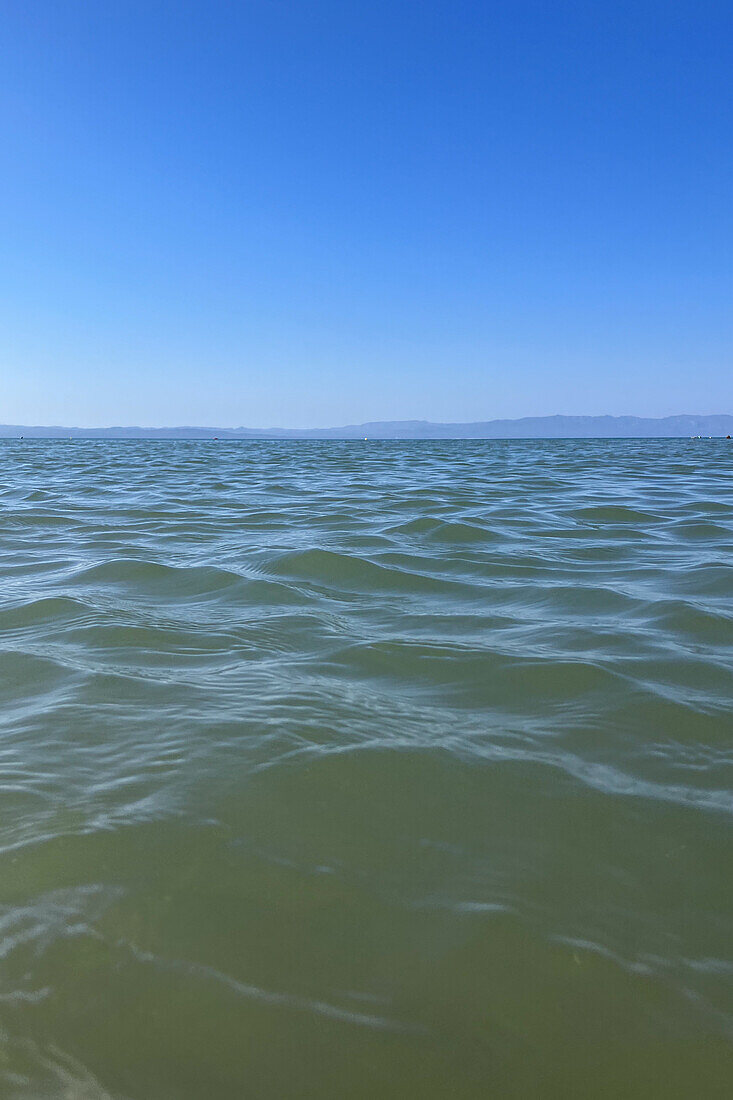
(148, 579)
(614, 513)
(153, 578)
(445, 531)
(479, 677)
(422, 525)
(461, 532)
(703, 532)
(26, 677)
(332, 569)
(712, 580)
(680, 618)
(42, 612)
(287, 1001)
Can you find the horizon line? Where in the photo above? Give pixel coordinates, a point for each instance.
(681, 424)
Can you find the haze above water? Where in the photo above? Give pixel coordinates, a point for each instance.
(339, 769)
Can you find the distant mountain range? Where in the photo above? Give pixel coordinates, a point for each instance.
(528, 427)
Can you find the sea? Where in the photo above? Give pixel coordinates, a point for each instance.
(366, 769)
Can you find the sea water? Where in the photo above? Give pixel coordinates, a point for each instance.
(366, 769)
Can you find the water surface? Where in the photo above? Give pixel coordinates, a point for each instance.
(337, 769)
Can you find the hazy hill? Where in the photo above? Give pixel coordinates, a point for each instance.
(540, 427)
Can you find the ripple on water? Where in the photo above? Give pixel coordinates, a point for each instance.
(399, 769)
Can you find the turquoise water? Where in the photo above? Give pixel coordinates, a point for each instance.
(366, 769)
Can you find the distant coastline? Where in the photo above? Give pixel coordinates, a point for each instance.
(535, 427)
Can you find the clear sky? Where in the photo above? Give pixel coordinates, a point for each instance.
(315, 212)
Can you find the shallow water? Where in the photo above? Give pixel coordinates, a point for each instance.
(366, 769)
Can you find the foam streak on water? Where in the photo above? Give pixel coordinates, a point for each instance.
(366, 769)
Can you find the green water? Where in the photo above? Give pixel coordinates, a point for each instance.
(334, 770)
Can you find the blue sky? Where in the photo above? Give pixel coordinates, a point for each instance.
(300, 212)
